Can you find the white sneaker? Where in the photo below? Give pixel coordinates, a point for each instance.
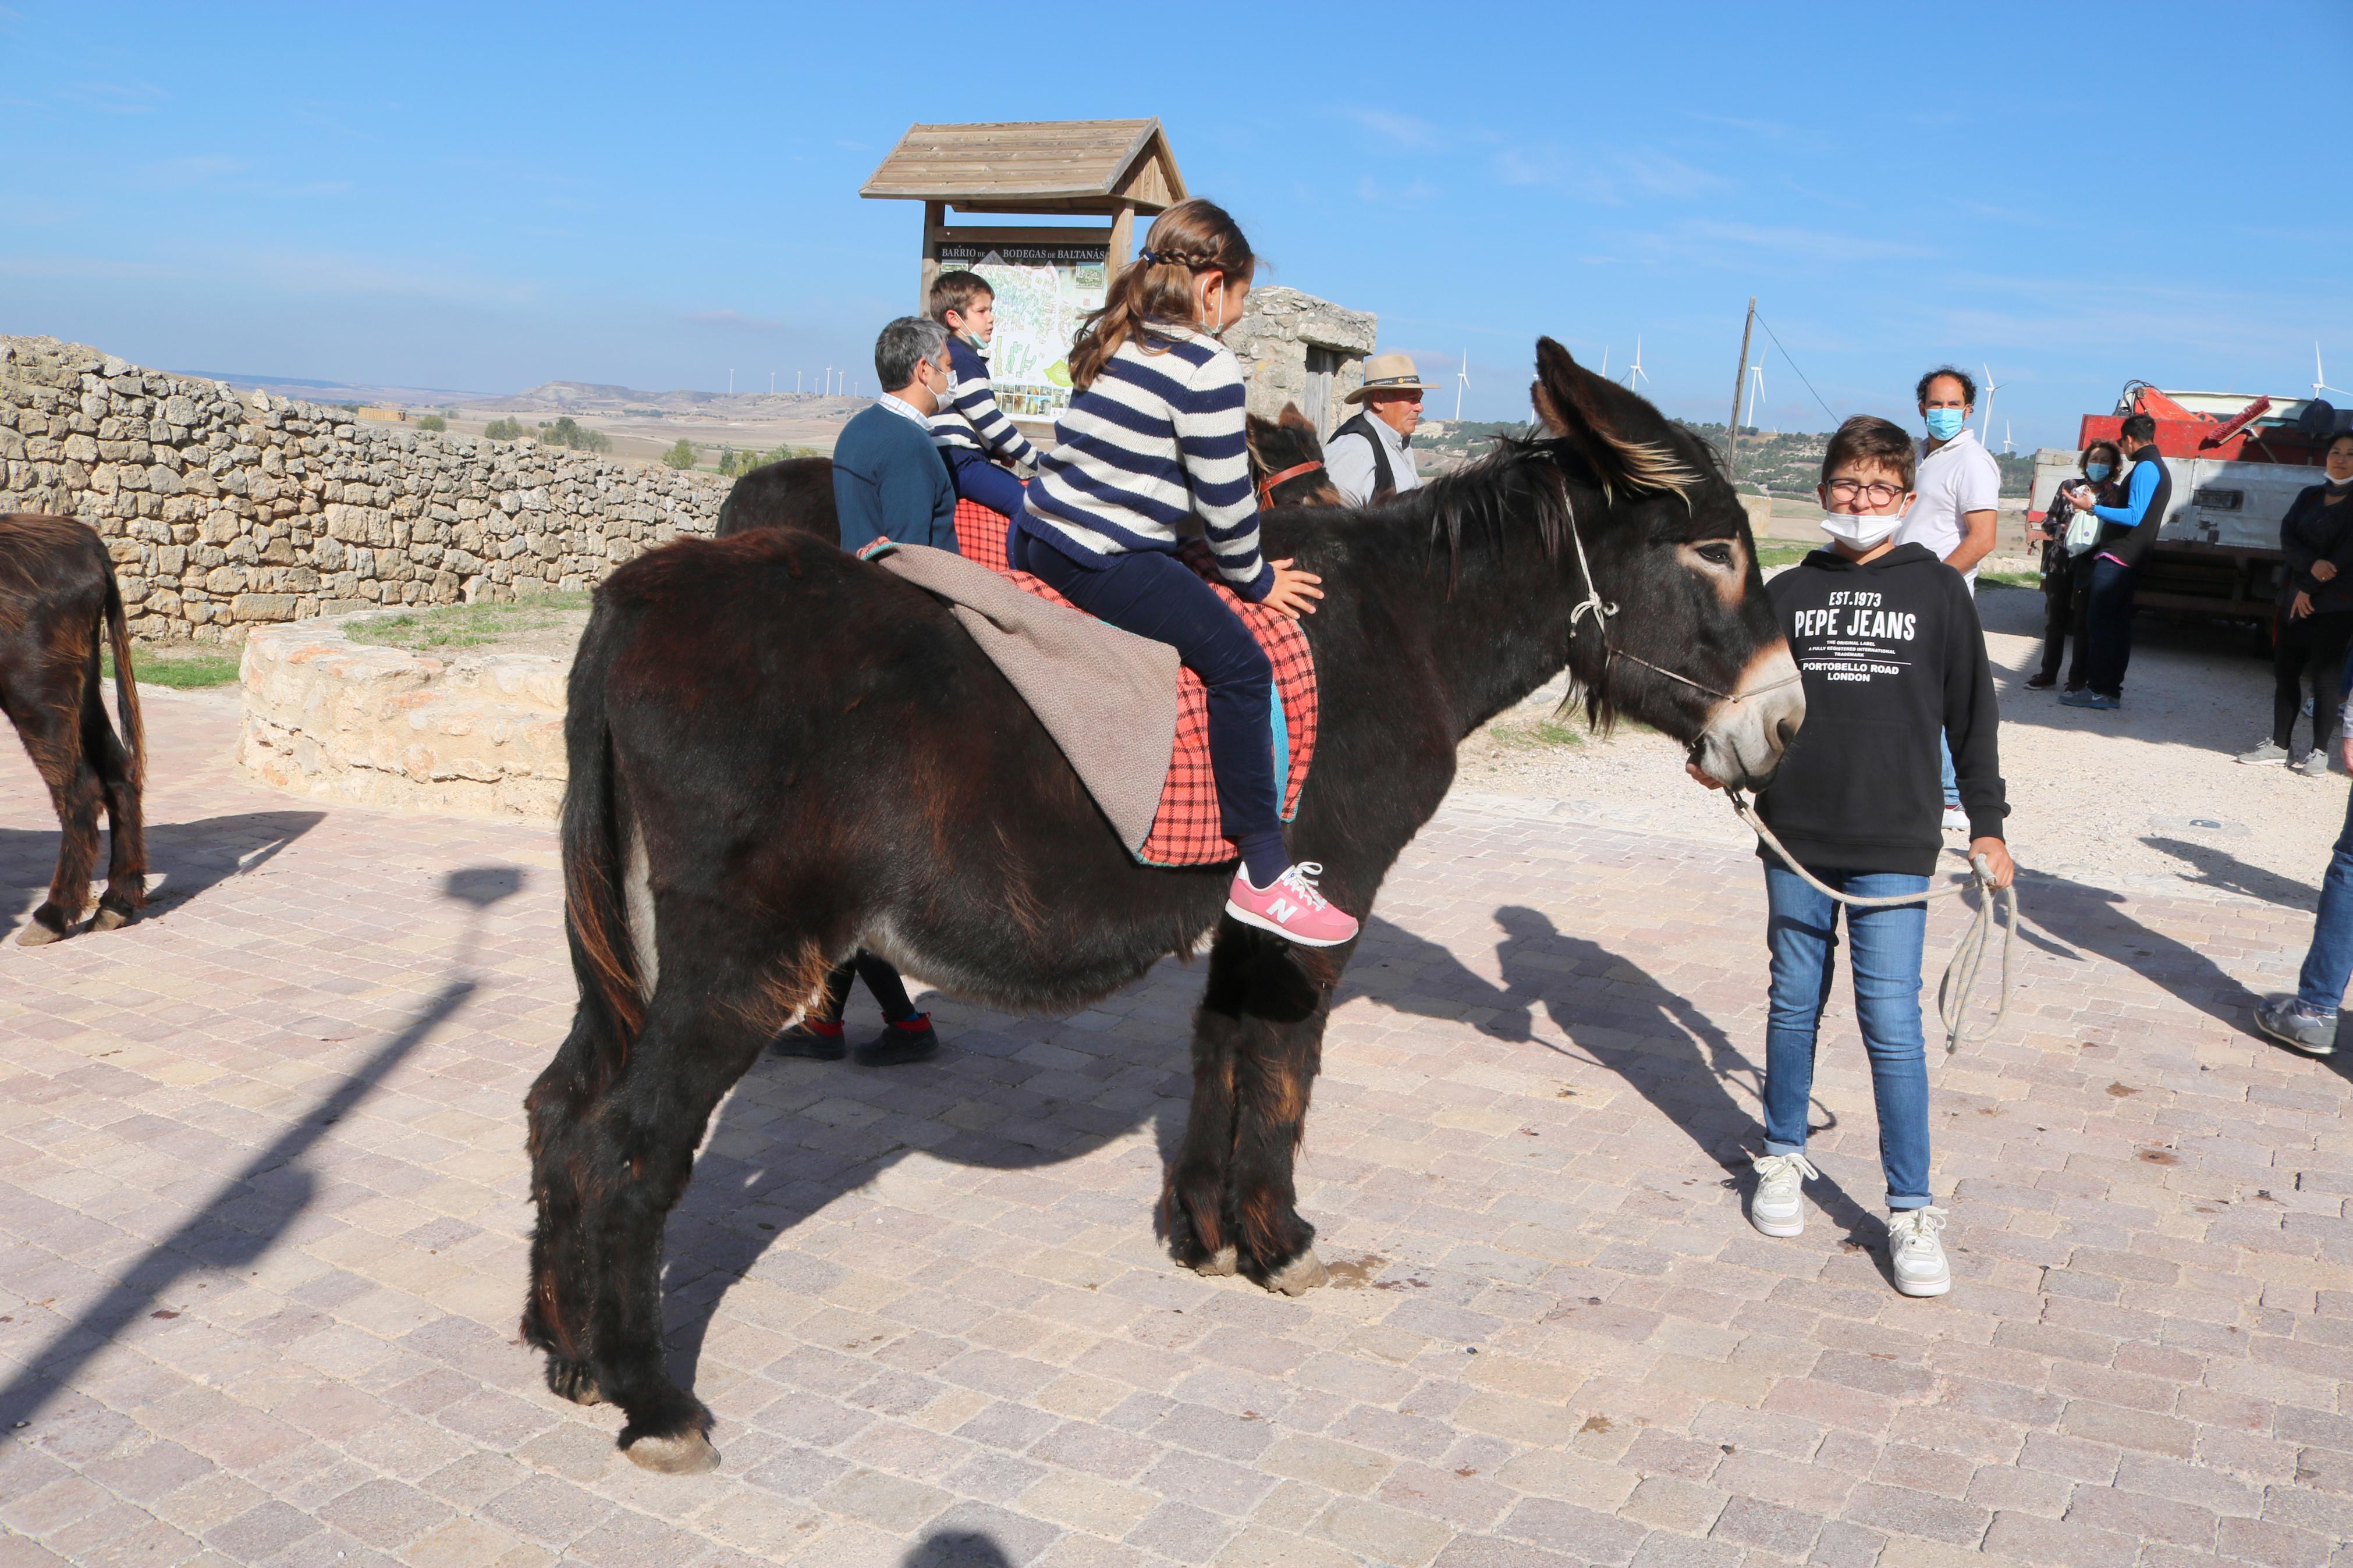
(1915, 1255)
(1956, 819)
(1776, 1208)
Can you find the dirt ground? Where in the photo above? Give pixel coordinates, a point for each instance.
(2145, 798)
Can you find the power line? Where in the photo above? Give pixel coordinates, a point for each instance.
(1793, 363)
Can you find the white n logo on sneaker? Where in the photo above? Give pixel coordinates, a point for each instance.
(1282, 908)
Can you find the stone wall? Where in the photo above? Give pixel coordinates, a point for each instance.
(223, 512)
(1278, 328)
(334, 719)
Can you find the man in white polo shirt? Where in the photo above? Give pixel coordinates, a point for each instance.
(1958, 489)
(1959, 483)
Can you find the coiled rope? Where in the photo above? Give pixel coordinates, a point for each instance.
(1968, 954)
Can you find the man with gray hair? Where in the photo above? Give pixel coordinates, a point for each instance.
(889, 480)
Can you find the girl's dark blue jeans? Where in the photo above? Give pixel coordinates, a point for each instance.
(1160, 597)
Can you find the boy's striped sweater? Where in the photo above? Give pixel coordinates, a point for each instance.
(1157, 438)
(970, 416)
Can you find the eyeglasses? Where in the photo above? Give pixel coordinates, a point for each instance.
(1877, 495)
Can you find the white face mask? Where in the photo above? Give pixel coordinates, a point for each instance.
(1861, 530)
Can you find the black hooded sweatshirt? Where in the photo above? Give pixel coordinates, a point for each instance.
(1892, 655)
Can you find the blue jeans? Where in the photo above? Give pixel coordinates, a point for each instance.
(2108, 627)
(1802, 936)
(2329, 964)
(979, 479)
(1952, 779)
(1158, 597)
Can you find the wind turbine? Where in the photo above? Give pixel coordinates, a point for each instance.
(1605, 362)
(1635, 371)
(1991, 386)
(1461, 380)
(2004, 438)
(1755, 389)
(2320, 377)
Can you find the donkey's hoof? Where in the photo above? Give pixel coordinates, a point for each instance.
(1227, 1259)
(36, 934)
(1299, 1276)
(111, 919)
(688, 1454)
(573, 1381)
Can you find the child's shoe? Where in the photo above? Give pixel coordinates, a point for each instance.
(1776, 1208)
(811, 1039)
(908, 1040)
(1915, 1255)
(1290, 907)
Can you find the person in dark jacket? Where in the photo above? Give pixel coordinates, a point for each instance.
(889, 479)
(2314, 624)
(1886, 637)
(888, 482)
(2129, 532)
(2066, 576)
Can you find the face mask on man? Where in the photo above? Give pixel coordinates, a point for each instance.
(1861, 530)
(2098, 471)
(1945, 424)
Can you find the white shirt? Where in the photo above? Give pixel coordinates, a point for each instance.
(1958, 478)
(1349, 462)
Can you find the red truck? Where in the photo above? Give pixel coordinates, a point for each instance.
(2236, 463)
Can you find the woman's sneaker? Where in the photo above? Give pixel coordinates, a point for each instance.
(1290, 907)
(1776, 1207)
(2263, 755)
(2291, 1023)
(2313, 764)
(1915, 1255)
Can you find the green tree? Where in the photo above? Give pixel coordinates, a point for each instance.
(433, 422)
(680, 456)
(503, 430)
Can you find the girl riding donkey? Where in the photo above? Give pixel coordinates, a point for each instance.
(1155, 435)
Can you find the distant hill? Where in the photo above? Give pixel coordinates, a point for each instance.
(1779, 462)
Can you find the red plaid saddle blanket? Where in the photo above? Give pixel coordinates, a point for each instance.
(1185, 830)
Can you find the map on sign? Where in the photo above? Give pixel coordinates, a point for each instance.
(1043, 293)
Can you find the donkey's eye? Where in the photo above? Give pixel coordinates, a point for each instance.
(1716, 554)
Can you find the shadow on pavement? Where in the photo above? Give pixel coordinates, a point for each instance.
(2218, 870)
(184, 859)
(956, 1549)
(237, 1224)
(245, 1218)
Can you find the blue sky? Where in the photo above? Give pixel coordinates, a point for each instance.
(486, 197)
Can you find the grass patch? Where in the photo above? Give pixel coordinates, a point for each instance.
(2009, 579)
(184, 668)
(1545, 732)
(467, 626)
(1771, 555)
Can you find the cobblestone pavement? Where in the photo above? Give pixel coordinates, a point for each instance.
(262, 1212)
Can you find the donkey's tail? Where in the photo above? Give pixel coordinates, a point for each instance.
(126, 688)
(599, 840)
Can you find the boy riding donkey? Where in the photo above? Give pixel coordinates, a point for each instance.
(1887, 636)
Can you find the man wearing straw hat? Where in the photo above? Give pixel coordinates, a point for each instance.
(1367, 457)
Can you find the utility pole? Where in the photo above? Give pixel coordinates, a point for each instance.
(1739, 377)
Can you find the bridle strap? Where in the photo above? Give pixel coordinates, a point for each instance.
(1601, 610)
(1266, 486)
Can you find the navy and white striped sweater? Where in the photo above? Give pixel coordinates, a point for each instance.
(970, 417)
(1157, 438)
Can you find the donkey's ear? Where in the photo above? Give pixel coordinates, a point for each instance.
(1590, 414)
(1294, 420)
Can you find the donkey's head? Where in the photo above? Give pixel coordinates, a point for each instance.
(1686, 640)
(1287, 461)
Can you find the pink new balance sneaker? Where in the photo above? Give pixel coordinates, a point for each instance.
(1290, 907)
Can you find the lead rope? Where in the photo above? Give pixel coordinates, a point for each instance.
(1968, 954)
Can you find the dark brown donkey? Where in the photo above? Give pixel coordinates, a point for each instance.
(57, 590)
(780, 753)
